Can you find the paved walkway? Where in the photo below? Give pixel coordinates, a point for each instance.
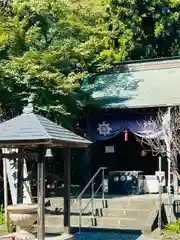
(145, 238)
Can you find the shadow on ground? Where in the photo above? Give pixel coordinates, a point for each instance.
(105, 234)
(59, 211)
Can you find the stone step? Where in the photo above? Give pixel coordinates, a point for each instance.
(55, 220)
(110, 204)
(87, 221)
(127, 205)
(75, 207)
(55, 223)
(50, 229)
(60, 200)
(120, 213)
(129, 213)
(74, 211)
(106, 212)
(121, 223)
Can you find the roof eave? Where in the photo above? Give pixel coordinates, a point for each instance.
(48, 143)
(136, 106)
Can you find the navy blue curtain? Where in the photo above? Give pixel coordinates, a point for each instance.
(108, 128)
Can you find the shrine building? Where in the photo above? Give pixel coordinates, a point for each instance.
(120, 102)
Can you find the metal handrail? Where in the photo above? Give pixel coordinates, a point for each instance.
(90, 181)
(83, 210)
(93, 194)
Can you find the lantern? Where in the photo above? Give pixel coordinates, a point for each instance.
(125, 135)
(143, 153)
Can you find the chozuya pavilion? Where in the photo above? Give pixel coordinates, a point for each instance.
(25, 133)
(121, 102)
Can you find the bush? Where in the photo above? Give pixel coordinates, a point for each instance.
(2, 220)
(1, 215)
(174, 227)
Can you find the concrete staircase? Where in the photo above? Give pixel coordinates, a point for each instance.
(133, 212)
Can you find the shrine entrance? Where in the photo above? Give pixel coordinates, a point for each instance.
(117, 146)
(119, 155)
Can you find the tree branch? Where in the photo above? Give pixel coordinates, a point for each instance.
(169, 132)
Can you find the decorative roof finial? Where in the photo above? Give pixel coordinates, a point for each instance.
(29, 108)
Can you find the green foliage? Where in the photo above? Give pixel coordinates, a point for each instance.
(144, 29)
(47, 46)
(11, 227)
(1, 215)
(173, 227)
(37, 55)
(2, 220)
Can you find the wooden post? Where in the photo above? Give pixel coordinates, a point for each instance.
(160, 196)
(20, 180)
(67, 188)
(5, 195)
(41, 194)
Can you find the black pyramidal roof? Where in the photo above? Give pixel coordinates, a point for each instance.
(32, 128)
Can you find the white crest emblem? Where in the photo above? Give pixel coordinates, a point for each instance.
(104, 129)
(149, 125)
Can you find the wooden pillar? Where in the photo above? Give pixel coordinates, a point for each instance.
(87, 166)
(67, 188)
(20, 179)
(5, 194)
(41, 194)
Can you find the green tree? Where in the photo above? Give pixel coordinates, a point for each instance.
(138, 30)
(47, 46)
(37, 55)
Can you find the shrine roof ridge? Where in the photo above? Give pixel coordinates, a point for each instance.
(142, 65)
